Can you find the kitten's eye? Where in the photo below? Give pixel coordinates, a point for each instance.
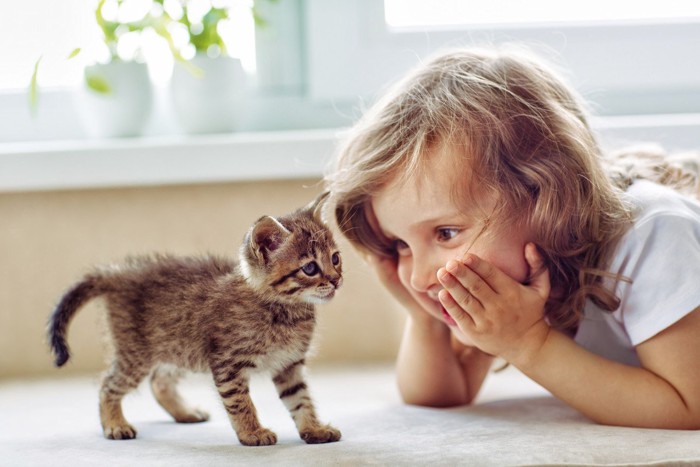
(310, 269)
(447, 233)
(335, 259)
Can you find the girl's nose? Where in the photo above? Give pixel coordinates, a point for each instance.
(423, 276)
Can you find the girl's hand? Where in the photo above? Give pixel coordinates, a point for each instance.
(386, 269)
(501, 316)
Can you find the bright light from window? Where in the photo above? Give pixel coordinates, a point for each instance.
(52, 29)
(42, 28)
(444, 13)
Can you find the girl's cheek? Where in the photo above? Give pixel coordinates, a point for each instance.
(404, 272)
(506, 252)
(508, 258)
(512, 264)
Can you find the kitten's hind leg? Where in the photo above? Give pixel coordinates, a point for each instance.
(164, 385)
(119, 380)
(295, 395)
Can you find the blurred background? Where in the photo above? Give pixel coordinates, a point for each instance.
(132, 126)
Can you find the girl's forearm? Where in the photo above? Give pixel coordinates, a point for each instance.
(428, 371)
(609, 393)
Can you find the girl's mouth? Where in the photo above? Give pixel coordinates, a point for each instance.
(449, 319)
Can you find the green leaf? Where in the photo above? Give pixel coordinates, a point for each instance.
(98, 84)
(34, 90)
(74, 53)
(209, 34)
(108, 28)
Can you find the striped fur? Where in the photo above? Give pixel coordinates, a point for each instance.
(169, 314)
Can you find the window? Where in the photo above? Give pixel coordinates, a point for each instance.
(56, 29)
(320, 61)
(625, 65)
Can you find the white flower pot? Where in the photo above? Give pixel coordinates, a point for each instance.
(122, 111)
(213, 102)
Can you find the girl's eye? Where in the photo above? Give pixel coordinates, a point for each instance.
(310, 269)
(335, 259)
(445, 234)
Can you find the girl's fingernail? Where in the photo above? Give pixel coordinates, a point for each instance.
(452, 265)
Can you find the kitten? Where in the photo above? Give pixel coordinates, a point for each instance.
(169, 313)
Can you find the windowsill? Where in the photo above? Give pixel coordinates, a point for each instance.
(297, 154)
(35, 166)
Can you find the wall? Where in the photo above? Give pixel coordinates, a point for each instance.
(48, 239)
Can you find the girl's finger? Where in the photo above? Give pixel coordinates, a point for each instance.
(463, 319)
(496, 279)
(471, 280)
(460, 292)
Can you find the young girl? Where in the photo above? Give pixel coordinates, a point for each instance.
(478, 192)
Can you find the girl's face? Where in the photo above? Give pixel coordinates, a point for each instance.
(428, 229)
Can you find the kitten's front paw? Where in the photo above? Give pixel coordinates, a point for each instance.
(120, 432)
(260, 437)
(322, 434)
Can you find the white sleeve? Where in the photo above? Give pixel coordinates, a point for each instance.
(662, 257)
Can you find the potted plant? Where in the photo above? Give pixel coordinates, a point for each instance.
(209, 94)
(115, 98)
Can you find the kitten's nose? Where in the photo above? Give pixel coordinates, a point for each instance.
(335, 280)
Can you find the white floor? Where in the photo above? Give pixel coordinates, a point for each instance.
(55, 423)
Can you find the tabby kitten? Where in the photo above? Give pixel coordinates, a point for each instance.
(169, 313)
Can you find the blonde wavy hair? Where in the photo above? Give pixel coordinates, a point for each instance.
(524, 136)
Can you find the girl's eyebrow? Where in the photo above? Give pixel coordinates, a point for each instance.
(413, 226)
(444, 218)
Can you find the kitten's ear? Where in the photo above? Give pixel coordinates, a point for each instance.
(316, 206)
(268, 235)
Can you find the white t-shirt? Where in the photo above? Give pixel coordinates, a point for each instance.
(661, 255)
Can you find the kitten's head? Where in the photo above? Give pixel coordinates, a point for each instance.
(294, 258)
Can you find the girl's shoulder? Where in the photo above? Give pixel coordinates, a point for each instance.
(660, 259)
(651, 201)
(666, 224)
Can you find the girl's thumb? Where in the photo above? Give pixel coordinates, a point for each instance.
(539, 274)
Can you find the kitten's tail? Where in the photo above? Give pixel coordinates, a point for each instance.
(71, 301)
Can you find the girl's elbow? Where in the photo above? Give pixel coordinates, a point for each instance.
(686, 421)
(691, 422)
